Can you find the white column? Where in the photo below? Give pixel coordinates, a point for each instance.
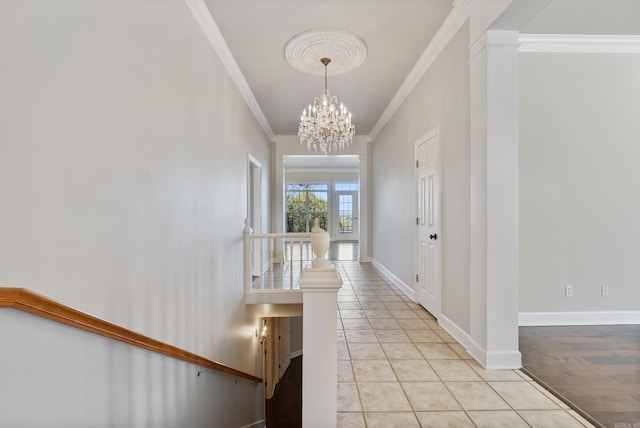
(494, 199)
(319, 347)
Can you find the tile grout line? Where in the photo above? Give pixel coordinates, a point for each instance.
(366, 279)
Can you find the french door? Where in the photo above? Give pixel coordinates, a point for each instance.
(304, 203)
(347, 215)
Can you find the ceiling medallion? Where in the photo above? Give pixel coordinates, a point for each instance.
(346, 50)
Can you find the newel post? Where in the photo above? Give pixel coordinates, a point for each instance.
(320, 284)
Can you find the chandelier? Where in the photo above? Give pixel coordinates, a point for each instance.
(325, 127)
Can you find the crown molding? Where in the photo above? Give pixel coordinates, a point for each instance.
(448, 29)
(579, 43)
(212, 33)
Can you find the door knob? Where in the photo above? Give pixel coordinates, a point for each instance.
(434, 236)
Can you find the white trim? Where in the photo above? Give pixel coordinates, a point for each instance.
(578, 43)
(448, 29)
(477, 47)
(273, 296)
(395, 280)
(489, 360)
(310, 170)
(212, 33)
(295, 354)
(434, 133)
(426, 137)
(463, 338)
(498, 360)
(578, 318)
(259, 424)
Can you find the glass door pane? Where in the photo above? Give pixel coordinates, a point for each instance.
(345, 214)
(304, 203)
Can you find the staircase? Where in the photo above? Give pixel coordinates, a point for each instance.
(282, 276)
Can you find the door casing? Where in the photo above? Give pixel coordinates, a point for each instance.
(428, 241)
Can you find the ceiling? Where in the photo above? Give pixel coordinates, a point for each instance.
(396, 33)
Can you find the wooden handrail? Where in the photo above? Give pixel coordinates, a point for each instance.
(28, 301)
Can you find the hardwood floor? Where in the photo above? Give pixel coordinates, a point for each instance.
(595, 369)
(284, 409)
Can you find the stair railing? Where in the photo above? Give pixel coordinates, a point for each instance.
(274, 261)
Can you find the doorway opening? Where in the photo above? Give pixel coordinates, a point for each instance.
(254, 209)
(326, 187)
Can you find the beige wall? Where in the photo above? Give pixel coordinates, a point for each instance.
(123, 156)
(441, 99)
(579, 181)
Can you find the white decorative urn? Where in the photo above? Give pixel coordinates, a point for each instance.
(320, 245)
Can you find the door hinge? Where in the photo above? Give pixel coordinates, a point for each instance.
(417, 220)
(417, 278)
(416, 164)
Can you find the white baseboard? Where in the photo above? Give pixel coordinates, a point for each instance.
(461, 336)
(287, 361)
(395, 280)
(488, 360)
(260, 424)
(503, 360)
(578, 318)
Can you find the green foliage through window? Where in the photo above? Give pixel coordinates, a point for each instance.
(305, 202)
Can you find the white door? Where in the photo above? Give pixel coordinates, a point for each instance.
(347, 215)
(428, 224)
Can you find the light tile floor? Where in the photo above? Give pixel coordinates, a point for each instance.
(398, 368)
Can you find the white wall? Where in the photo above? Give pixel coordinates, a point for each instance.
(296, 335)
(441, 99)
(579, 181)
(123, 153)
(59, 376)
(320, 175)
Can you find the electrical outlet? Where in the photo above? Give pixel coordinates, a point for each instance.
(604, 291)
(568, 291)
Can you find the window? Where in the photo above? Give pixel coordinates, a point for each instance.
(305, 202)
(347, 187)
